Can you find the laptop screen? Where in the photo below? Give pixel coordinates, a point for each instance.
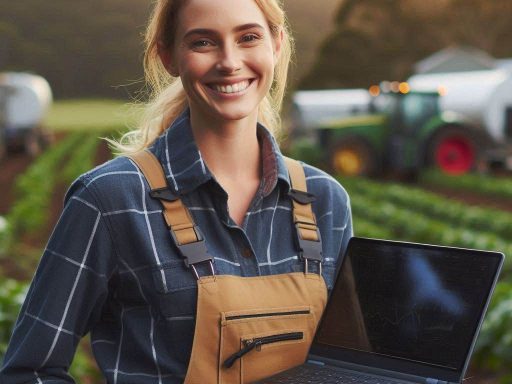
(411, 302)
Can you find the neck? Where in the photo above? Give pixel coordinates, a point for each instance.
(230, 148)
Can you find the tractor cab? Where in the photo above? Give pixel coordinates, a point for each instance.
(406, 111)
(407, 114)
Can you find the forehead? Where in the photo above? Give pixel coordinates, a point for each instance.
(219, 14)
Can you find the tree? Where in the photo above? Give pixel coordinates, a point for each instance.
(377, 40)
(82, 48)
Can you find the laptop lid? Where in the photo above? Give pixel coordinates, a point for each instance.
(406, 307)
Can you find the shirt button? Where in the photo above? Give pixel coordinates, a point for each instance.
(246, 252)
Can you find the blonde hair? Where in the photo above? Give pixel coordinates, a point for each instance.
(167, 98)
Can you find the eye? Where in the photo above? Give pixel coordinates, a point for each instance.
(250, 38)
(201, 44)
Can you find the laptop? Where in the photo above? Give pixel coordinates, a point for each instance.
(400, 313)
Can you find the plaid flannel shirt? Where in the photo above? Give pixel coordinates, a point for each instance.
(111, 268)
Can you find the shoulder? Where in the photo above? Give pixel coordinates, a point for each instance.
(323, 185)
(331, 198)
(108, 181)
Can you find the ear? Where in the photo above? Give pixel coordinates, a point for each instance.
(166, 57)
(278, 42)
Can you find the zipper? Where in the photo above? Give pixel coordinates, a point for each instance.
(270, 314)
(250, 344)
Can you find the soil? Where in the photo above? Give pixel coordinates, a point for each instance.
(475, 377)
(12, 166)
(103, 154)
(471, 198)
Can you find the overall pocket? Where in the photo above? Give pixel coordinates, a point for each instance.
(259, 343)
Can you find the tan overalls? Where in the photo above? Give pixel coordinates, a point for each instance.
(247, 328)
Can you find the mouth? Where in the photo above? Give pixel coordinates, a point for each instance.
(231, 88)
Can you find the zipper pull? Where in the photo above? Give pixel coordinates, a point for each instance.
(249, 346)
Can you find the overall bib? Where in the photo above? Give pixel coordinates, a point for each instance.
(247, 328)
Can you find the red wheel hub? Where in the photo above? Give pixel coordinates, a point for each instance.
(455, 155)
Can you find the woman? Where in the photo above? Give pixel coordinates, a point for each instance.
(203, 259)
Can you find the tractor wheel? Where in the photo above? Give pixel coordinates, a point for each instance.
(453, 151)
(353, 157)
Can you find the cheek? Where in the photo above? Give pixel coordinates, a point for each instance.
(261, 60)
(194, 66)
(264, 65)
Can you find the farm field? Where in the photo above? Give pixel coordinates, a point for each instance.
(433, 211)
(94, 115)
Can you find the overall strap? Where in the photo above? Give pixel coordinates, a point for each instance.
(308, 236)
(185, 232)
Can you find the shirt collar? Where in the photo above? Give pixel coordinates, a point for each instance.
(185, 169)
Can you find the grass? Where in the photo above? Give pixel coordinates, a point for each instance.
(90, 115)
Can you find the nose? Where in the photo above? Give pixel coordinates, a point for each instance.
(229, 60)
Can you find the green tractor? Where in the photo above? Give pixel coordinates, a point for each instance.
(403, 132)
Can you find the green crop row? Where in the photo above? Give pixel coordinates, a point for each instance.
(483, 184)
(493, 350)
(365, 228)
(12, 294)
(34, 188)
(81, 160)
(409, 225)
(435, 206)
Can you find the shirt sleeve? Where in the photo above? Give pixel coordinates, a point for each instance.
(348, 232)
(66, 295)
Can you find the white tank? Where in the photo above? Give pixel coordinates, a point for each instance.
(29, 99)
(482, 96)
(312, 108)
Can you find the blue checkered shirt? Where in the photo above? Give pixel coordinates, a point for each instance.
(112, 269)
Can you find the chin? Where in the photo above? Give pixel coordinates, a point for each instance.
(234, 114)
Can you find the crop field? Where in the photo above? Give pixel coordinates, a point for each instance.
(472, 211)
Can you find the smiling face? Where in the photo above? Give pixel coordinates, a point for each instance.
(224, 53)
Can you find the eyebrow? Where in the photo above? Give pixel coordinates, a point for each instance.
(206, 31)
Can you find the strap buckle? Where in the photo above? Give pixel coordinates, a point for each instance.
(306, 267)
(163, 194)
(310, 250)
(195, 253)
(301, 197)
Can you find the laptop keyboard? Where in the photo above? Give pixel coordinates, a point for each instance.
(306, 374)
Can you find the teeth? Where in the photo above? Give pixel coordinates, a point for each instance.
(233, 88)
